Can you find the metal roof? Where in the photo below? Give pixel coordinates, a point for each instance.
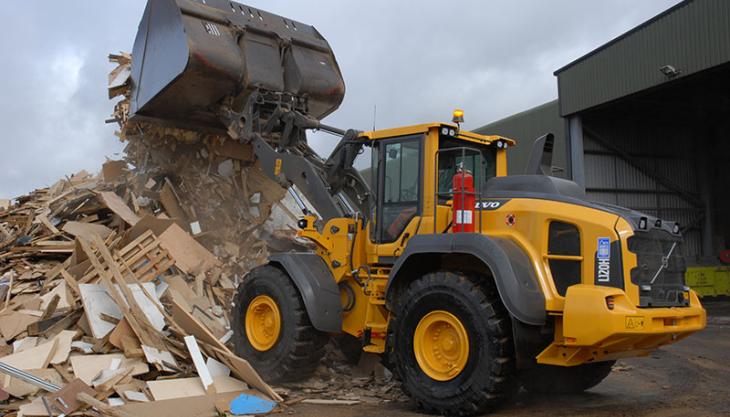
(692, 36)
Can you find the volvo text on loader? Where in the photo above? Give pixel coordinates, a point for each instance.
(469, 283)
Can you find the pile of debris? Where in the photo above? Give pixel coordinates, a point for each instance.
(115, 288)
(114, 300)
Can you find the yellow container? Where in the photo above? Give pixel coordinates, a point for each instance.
(709, 281)
(722, 280)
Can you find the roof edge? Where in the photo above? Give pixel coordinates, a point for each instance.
(623, 36)
(520, 114)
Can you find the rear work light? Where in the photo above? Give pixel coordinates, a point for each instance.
(609, 302)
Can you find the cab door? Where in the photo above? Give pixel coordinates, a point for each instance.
(399, 193)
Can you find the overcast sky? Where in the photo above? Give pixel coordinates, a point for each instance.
(415, 60)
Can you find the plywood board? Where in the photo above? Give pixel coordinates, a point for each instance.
(166, 389)
(62, 291)
(86, 229)
(179, 284)
(223, 383)
(175, 388)
(217, 368)
(171, 205)
(122, 329)
(86, 367)
(243, 370)
(117, 205)
(113, 171)
(13, 324)
(193, 326)
(63, 347)
(25, 344)
(65, 400)
(34, 358)
(189, 255)
(97, 301)
(18, 388)
(158, 357)
(200, 406)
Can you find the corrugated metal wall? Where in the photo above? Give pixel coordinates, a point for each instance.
(527, 126)
(692, 36)
(659, 146)
(656, 147)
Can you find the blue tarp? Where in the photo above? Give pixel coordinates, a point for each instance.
(251, 404)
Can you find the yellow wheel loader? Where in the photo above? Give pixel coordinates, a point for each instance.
(469, 283)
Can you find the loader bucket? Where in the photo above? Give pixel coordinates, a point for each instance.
(189, 55)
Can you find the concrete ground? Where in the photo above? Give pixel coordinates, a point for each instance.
(690, 378)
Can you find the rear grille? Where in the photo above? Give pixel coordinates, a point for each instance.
(667, 272)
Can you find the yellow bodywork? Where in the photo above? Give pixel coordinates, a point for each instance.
(589, 331)
(585, 329)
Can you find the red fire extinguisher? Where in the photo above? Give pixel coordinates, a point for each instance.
(464, 199)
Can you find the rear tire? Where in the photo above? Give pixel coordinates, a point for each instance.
(296, 351)
(487, 377)
(548, 379)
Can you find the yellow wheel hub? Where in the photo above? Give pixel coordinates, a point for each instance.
(263, 323)
(441, 345)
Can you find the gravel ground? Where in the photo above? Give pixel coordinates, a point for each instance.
(690, 378)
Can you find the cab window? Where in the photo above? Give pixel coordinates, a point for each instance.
(480, 160)
(400, 186)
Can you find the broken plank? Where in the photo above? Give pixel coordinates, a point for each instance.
(119, 207)
(35, 358)
(205, 378)
(86, 367)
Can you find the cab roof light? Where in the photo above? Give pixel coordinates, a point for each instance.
(642, 223)
(458, 116)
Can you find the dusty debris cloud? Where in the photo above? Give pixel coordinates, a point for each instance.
(490, 58)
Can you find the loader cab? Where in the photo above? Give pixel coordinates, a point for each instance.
(411, 179)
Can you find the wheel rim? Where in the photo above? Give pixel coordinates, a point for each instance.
(263, 323)
(441, 345)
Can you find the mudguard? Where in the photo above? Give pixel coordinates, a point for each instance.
(512, 269)
(316, 285)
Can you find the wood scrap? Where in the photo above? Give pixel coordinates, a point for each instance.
(191, 387)
(203, 372)
(35, 358)
(11, 325)
(66, 399)
(87, 367)
(114, 203)
(20, 389)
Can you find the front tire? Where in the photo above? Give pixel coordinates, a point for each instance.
(452, 344)
(549, 379)
(272, 329)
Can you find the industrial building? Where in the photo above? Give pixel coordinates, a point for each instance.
(643, 122)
